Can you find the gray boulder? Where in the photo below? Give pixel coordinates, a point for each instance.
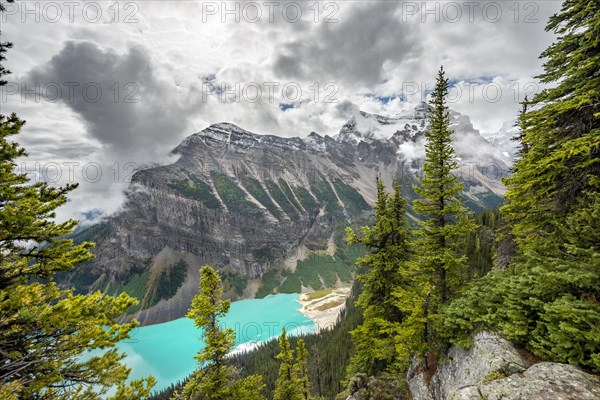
(493, 369)
(543, 381)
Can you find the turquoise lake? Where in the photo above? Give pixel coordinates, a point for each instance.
(167, 350)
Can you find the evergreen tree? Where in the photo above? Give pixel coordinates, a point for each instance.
(214, 380)
(520, 136)
(548, 299)
(317, 369)
(439, 267)
(561, 132)
(302, 368)
(53, 344)
(287, 386)
(445, 220)
(507, 246)
(4, 46)
(380, 276)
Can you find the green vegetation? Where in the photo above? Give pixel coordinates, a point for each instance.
(282, 200)
(547, 297)
(325, 195)
(136, 287)
(215, 379)
(316, 271)
(287, 386)
(197, 190)
(382, 387)
(290, 195)
(318, 268)
(350, 197)
(301, 369)
(234, 198)
(308, 201)
(421, 295)
(234, 283)
(45, 331)
(348, 253)
(317, 294)
(382, 279)
(257, 191)
(166, 284)
(418, 294)
(492, 376)
(438, 269)
(150, 290)
(93, 233)
(485, 201)
(480, 247)
(293, 284)
(270, 282)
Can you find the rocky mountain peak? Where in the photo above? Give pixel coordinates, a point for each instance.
(405, 131)
(406, 125)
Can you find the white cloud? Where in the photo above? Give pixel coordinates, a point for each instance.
(375, 48)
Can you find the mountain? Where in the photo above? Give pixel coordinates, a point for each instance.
(503, 139)
(268, 211)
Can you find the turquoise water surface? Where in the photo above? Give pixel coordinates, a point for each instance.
(167, 350)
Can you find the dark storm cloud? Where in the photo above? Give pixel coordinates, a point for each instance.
(137, 112)
(354, 50)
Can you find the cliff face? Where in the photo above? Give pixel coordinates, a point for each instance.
(493, 369)
(247, 203)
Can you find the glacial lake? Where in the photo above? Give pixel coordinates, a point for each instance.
(167, 350)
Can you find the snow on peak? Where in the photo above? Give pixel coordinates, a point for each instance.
(407, 125)
(502, 138)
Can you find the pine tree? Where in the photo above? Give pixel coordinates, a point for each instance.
(561, 130)
(47, 335)
(214, 380)
(389, 243)
(507, 246)
(439, 267)
(444, 218)
(553, 195)
(4, 46)
(548, 299)
(302, 368)
(317, 369)
(520, 136)
(287, 386)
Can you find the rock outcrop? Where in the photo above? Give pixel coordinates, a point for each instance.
(493, 369)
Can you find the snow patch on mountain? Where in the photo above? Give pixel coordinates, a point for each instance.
(406, 131)
(502, 138)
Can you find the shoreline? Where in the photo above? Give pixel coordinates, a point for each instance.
(324, 306)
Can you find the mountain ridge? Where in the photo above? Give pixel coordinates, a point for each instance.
(246, 202)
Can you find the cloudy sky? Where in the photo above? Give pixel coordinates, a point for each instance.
(108, 87)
